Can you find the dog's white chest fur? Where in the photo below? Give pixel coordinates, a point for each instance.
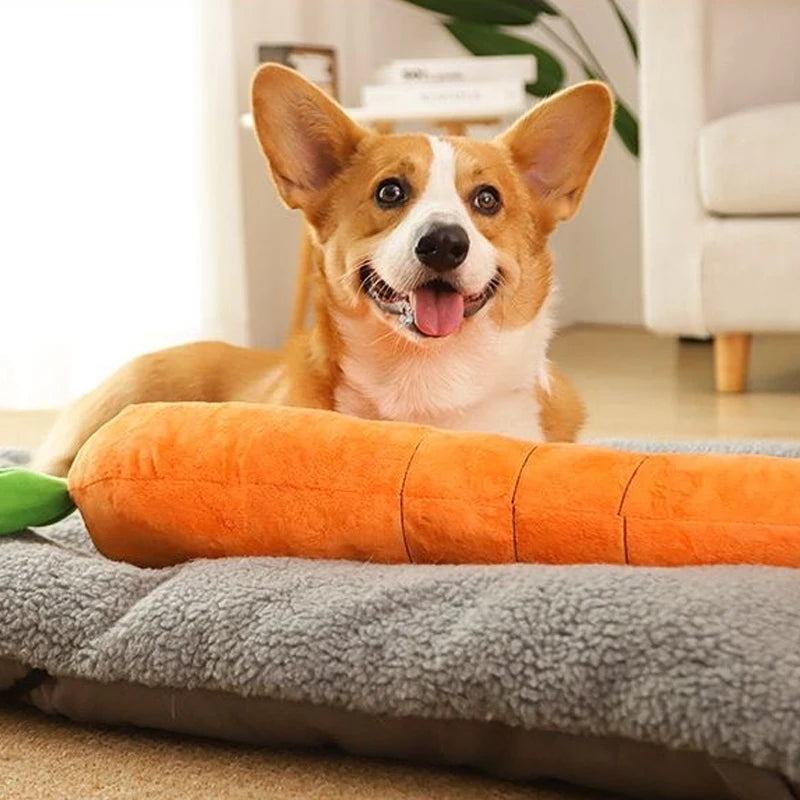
(484, 379)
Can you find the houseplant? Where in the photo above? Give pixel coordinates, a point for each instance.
(479, 26)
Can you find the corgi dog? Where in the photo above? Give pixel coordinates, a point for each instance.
(434, 282)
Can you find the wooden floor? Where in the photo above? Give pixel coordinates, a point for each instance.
(50, 758)
(635, 385)
(639, 385)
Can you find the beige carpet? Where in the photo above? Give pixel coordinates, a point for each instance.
(45, 758)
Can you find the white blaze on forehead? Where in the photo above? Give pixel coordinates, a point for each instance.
(438, 203)
(441, 192)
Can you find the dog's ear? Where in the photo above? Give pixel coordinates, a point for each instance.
(306, 137)
(557, 144)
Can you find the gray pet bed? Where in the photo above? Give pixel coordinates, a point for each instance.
(660, 683)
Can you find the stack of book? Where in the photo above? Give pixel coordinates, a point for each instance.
(471, 87)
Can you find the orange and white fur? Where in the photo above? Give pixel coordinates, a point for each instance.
(434, 286)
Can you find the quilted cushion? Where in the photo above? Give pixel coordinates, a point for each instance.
(749, 162)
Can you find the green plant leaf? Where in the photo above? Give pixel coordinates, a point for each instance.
(30, 499)
(540, 6)
(485, 40)
(627, 126)
(495, 12)
(628, 28)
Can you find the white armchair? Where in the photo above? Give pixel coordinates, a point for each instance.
(720, 111)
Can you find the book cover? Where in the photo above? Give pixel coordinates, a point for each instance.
(475, 68)
(474, 97)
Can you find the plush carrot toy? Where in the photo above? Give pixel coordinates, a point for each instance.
(164, 483)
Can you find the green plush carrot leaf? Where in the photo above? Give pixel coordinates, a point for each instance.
(31, 499)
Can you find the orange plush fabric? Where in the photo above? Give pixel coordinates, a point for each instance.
(163, 483)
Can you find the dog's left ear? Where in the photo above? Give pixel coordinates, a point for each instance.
(557, 144)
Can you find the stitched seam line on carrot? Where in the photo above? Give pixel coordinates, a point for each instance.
(79, 487)
(621, 505)
(403, 496)
(514, 500)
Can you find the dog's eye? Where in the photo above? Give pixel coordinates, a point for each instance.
(391, 193)
(486, 200)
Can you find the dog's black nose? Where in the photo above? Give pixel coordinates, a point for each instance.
(443, 247)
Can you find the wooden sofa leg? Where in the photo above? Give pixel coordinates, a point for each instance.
(731, 359)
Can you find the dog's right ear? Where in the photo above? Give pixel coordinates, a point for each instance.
(306, 137)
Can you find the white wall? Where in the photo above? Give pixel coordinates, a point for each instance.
(752, 57)
(597, 253)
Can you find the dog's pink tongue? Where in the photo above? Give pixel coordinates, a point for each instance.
(438, 313)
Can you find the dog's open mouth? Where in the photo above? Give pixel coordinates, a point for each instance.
(432, 309)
